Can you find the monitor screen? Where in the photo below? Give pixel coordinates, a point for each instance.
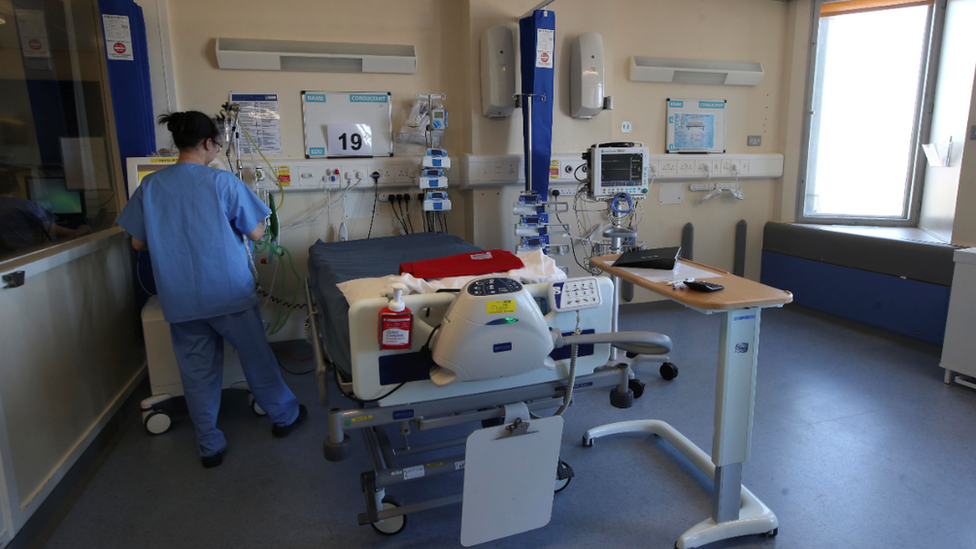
(52, 193)
(620, 170)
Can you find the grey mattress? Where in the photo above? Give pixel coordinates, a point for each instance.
(331, 263)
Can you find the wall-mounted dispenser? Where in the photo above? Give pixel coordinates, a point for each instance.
(586, 76)
(498, 72)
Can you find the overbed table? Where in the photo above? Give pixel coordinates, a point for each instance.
(735, 510)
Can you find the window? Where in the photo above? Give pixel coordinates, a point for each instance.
(57, 176)
(866, 115)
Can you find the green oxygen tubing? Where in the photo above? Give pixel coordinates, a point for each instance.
(270, 243)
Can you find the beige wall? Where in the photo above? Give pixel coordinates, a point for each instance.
(744, 30)
(446, 34)
(432, 26)
(437, 28)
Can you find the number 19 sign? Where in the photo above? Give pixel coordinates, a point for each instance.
(350, 140)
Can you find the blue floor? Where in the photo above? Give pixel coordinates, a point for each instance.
(857, 444)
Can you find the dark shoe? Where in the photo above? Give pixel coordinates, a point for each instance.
(282, 431)
(209, 462)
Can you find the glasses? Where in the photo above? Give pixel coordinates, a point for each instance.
(220, 146)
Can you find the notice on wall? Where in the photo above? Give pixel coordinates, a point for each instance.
(260, 122)
(118, 37)
(33, 33)
(545, 45)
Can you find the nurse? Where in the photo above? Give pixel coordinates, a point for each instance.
(194, 218)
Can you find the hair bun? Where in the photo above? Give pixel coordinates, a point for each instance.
(190, 128)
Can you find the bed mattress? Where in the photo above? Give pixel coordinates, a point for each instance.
(331, 263)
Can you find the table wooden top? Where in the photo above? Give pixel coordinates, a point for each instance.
(739, 293)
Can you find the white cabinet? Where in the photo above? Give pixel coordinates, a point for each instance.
(958, 350)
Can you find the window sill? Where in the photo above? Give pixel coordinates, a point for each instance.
(908, 234)
(54, 256)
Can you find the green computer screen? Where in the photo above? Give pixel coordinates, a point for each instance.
(52, 193)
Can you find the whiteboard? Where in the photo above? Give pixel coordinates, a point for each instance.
(321, 108)
(696, 125)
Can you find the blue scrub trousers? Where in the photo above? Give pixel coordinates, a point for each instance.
(199, 348)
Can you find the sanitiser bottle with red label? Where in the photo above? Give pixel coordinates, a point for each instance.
(396, 322)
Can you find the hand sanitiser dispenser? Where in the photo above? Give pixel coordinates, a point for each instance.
(396, 322)
(586, 76)
(493, 329)
(497, 72)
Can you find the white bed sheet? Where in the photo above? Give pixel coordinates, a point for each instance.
(538, 268)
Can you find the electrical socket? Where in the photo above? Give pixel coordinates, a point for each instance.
(702, 167)
(511, 170)
(702, 186)
(404, 173)
(653, 168)
(716, 168)
(626, 127)
(686, 167)
(744, 166)
(386, 173)
(726, 166)
(669, 168)
(725, 186)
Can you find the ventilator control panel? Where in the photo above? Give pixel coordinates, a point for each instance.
(494, 286)
(574, 294)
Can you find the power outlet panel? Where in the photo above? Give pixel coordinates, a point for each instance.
(509, 169)
(669, 168)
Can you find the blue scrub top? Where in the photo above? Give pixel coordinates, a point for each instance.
(192, 217)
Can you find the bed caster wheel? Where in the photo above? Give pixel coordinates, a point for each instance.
(157, 422)
(669, 371)
(637, 387)
(564, 474)
(772, 533)
(390, 526)
(255, 407)
(336, 452)
(622, 400)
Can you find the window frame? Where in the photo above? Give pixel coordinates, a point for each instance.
(928, 78)
(84, 244)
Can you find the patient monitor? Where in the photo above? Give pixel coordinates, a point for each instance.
(493, 329)
(617, 168)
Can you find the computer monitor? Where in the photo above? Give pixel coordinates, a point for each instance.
(53, 194)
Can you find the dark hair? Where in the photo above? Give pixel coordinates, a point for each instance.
(8, 181)
(190, 128)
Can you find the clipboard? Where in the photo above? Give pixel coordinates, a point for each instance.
(509, 475)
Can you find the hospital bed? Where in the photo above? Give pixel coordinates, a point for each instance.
(394, 388)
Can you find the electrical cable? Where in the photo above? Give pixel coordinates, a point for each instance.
(571, 382)
(335, 375)
(398, 211)
(308, 219)
(298, 282)
(293, 357)
(139, 275)
(294, 373)
(376, 196)
(409, 221)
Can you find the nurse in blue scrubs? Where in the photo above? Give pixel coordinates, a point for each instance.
(194, 219)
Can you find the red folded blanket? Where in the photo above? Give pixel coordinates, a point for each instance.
(471, 263)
